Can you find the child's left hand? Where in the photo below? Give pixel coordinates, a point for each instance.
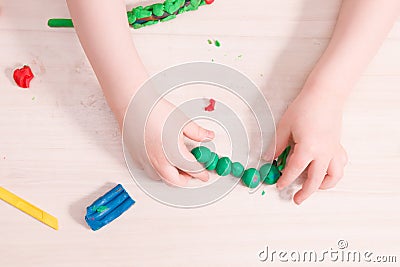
(313, 121)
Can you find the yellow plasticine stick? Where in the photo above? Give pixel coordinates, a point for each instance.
(28, 208)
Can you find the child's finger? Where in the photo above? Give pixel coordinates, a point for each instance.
(203, 174)
(316, 174)
(281, 140)
(335, 173)
(329, 182)
(171, 175)
(296, 164)
(151, 172)
(182, 176)
(197, 133)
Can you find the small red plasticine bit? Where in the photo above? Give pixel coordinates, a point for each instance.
(211, 106)
(209, 2)
(23, 76)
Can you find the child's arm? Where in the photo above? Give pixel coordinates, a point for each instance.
(103, 30)
(313, 120)
(360, 30)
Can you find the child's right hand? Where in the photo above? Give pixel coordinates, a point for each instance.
(155, 151)
(313, 122)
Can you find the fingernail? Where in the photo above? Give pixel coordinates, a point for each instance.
(210, 134)
(299, 200)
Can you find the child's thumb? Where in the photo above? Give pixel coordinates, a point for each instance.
(195, 132)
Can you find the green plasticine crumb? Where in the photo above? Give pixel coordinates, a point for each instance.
(263, 193)
(63, 23)
(209, 41)
(217, 43)
(101, 209)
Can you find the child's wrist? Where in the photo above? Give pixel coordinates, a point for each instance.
(120, 98)
(328, 86)
(119, 101)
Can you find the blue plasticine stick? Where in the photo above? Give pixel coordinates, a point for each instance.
(105, 199)
(117, 212)
(111, 205)
(108, 207)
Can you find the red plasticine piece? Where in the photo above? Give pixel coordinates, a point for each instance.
(209, 2)
(211, 106)
(23, 76)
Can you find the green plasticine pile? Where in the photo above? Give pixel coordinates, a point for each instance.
(268, 173)
(141, 16)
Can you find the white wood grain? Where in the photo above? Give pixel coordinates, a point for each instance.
(60, 147)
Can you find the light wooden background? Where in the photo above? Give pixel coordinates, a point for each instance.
(60, 147)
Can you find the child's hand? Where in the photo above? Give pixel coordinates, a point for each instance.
(313, 121)
(155, 152)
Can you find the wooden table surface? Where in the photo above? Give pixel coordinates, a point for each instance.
(60, 147)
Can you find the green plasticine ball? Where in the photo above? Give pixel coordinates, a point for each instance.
(264, 170)
(224, 166)
(251, 178)
(212, 163)
(237, 169)
(202, 154)
(269, 173)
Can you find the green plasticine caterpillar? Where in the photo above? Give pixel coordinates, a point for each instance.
(141, 16)
(268, 173)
